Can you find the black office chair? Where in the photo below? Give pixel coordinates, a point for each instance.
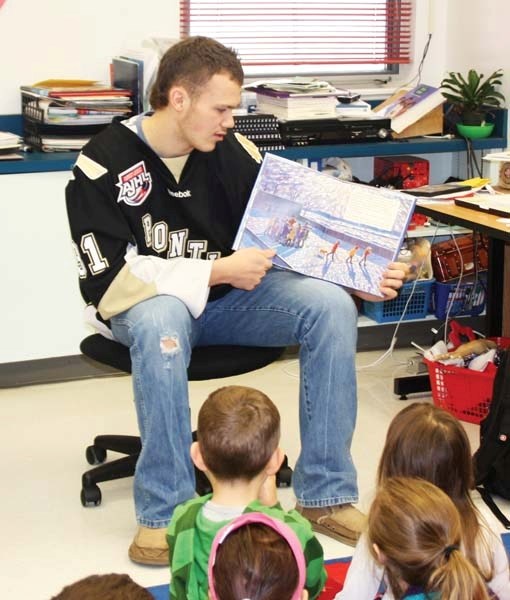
(207, 362)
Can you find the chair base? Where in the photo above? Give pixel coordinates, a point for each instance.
(120, 468)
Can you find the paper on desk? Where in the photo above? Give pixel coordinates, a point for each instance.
(451, 197)
(491, 201)
(61, 83)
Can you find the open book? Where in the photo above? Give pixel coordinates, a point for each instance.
(324, 227)
(405, 109)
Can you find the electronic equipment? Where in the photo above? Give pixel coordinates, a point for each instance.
(261, 129)
(334, 131)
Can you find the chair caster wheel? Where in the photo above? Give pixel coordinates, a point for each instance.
(95, 455)
(284, 475)
(202, 483)
(284, 478)
(91, 496)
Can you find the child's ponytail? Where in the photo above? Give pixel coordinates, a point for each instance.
(456, 578)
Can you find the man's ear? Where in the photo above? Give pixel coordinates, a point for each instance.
(275, 462)
(178, 98)
(196, 457)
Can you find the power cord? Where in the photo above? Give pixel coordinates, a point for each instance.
(389, 351)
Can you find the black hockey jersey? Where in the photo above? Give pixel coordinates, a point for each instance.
(123, 196)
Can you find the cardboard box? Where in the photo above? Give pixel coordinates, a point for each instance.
(429, 124)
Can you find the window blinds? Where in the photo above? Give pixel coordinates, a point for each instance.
(304, 32)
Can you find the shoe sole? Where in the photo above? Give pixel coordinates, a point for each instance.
(318, 528)
(146, 560)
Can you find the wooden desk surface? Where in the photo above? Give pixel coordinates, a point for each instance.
(467, 217)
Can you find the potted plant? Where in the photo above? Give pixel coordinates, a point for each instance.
(472, 98)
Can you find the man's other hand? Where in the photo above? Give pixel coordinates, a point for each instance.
(244, 269)
(392, 280)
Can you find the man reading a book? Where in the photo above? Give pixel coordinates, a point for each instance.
(154, 207)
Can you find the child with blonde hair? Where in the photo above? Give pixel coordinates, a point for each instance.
(415, 533)
(426, 442)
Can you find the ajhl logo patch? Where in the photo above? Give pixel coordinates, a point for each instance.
(135, 185)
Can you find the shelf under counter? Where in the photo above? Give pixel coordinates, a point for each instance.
(39, 162)
(389, 148)
(34, 162)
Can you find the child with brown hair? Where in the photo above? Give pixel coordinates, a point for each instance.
(415, 534)
(238, 433)
(427, 442)
(111, 586)
(259, 558)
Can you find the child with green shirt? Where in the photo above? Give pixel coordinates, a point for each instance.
(238, 433)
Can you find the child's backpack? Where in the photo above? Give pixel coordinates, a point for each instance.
(492, 459)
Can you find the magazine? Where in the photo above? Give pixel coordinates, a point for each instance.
(324, 227)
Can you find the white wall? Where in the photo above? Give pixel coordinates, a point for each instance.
(479, 38)
(41, 39)
(41, 310)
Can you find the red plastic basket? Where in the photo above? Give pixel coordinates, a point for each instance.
(464, 393)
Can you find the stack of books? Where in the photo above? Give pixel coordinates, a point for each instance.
(64, 114)
(135, 70)
(300, 98)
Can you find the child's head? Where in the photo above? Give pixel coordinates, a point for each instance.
(415, 532)
(427, 442)
(259, 558)
(238, 432)
(112, 586)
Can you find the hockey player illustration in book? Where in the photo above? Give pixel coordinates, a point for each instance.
(333, 250)
(366, 253)
(351, 254)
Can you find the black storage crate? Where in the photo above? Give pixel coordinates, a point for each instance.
(34, 127)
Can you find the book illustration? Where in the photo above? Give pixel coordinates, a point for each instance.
(321, 226)
(404, 109)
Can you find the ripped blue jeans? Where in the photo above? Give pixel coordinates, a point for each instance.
(285, 309)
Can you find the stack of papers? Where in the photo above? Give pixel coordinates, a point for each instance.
(294, 85)
(359, 109)
(297, 98)
(10, 143)
(70, 110)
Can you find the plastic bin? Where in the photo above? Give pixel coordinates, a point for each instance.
(35, 129)
(464, 393)
(391, 310)
(466, 298)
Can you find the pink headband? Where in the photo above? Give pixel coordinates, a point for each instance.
(279, 526)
